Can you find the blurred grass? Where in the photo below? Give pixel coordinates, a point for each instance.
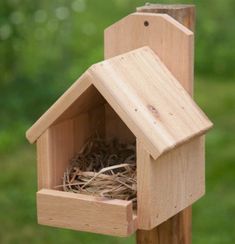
(45, 46)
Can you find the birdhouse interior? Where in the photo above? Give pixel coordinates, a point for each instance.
(93, 150)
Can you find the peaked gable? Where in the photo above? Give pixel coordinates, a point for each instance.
(163, 34)
(145, 95)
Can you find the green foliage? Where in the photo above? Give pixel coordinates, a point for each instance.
(213, 222)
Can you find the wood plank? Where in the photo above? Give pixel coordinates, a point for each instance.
(144, 212)
(55, 148)
(85, 213)
(172, 42)
(44, 166)
(174, 181)
(149, 100)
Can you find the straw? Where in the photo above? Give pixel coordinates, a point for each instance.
(105, 168)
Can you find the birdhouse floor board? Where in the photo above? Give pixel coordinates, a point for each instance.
(85, 213)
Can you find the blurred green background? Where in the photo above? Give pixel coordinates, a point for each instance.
(45, 46)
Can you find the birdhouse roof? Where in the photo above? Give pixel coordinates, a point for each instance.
(145, 95)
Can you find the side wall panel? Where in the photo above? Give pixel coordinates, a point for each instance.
(169, 184)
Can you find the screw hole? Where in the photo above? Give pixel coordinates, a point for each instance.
(146, 23)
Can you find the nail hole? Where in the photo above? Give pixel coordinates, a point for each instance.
(146, 23)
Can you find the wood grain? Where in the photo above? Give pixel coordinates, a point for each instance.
(54, 148)
(176, 230)
(149, 100)
(183, 13)
(85, 213)
(169, 39)
(169, 184)
(44, 167)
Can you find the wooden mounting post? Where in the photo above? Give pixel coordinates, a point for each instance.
(176, 230)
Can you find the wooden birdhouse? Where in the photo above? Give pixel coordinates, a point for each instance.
(133, 97)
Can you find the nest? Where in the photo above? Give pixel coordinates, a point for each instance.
(104, 169)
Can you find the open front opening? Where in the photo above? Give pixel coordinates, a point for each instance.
(94, 152)
(103, 168)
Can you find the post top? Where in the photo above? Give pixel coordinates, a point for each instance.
(183, 13)
(151, 6)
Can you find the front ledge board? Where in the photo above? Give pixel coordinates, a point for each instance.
(85, 213)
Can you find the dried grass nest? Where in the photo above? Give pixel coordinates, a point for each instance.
(103, 168)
